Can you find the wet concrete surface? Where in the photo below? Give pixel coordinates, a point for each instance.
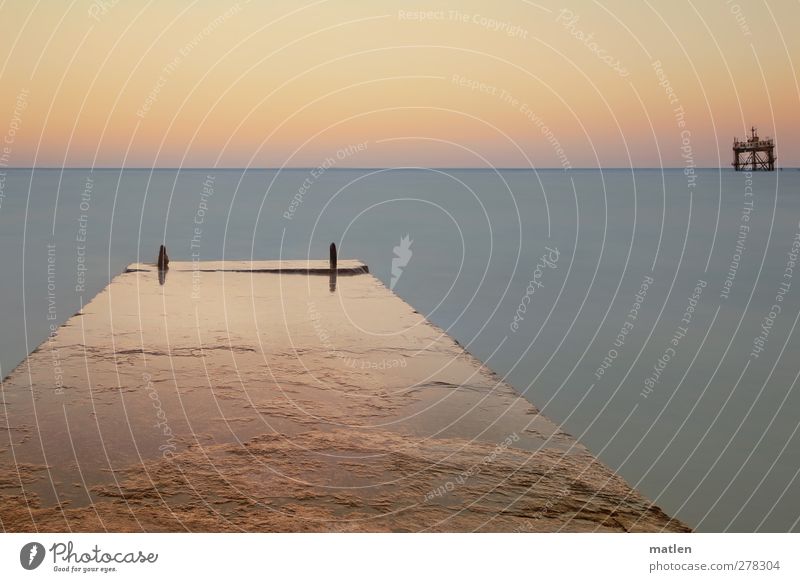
(273, 396)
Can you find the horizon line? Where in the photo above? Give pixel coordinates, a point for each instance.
(342, 168)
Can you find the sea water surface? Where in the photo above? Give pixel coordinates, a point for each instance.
(650, 313)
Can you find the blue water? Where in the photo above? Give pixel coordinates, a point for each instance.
(712, 437)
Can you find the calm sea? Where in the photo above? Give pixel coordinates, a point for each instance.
(649, 312)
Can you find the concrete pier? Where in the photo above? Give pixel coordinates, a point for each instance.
(256, 396)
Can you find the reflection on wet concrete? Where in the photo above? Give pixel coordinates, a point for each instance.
(251, 398)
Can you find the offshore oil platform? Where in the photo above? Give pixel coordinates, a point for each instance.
(754, 153)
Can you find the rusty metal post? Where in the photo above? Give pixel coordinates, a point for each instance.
(163, 259)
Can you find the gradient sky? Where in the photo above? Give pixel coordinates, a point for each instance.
(218, 83)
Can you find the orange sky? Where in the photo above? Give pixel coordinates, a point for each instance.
(445, 83)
